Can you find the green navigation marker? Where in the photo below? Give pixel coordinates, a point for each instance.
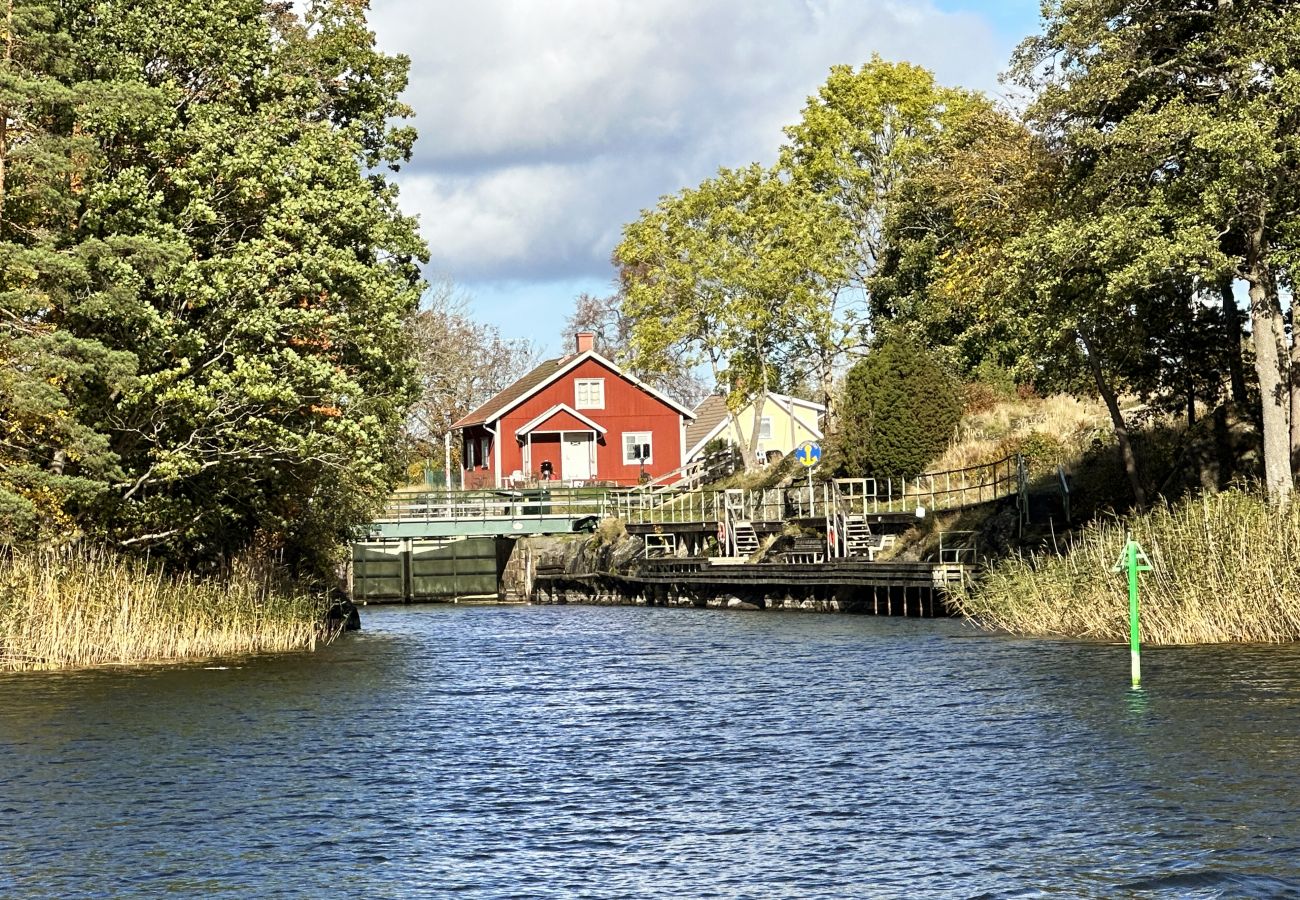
(1133, 560)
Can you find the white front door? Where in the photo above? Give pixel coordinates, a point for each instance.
(575, 456)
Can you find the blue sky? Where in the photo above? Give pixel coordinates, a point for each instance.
(546, 125)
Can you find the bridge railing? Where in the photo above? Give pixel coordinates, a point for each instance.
(935, 491)
(952, 489)
(468, 506)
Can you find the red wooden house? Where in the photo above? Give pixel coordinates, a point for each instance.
(578, 420)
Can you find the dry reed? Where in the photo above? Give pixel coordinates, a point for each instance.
(90, 608)
(1226, 567)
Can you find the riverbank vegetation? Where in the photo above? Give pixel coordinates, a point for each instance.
(206, 294)
(74, 609)
(1225, 567)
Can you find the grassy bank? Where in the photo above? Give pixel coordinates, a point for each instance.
(1226, 568)
(72, 610)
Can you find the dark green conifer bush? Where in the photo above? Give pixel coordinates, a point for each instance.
(899, 410)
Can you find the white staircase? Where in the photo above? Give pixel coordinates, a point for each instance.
(746, 538)
(858, 539)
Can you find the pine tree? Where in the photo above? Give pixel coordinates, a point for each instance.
(54, 385)
(263, 271)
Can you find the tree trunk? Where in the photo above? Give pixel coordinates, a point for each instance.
(1232, 319)
(1272, 365)
(1293, 373)
(734, 415)
(1108, 396)
(4, 113)
(760, 403)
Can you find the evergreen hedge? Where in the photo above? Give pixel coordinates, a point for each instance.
(899, 410)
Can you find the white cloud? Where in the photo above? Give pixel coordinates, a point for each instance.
(547, 124)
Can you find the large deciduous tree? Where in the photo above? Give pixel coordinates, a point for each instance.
(857, 141)
(730, 273)
(215, 218)
(1190, 114)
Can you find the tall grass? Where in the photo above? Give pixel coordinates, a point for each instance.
(993, 432)
(1226, 567)
(90, 608)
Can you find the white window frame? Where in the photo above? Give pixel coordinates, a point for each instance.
(596, 402)
(636, 439)
(765, 428)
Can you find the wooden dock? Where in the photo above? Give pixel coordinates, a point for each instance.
(838, 585)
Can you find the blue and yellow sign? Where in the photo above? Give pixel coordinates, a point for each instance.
(808, 454)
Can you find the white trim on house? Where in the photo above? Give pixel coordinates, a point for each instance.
(681, 441)
(558, 408)
(714, 432)
(648, 440)
(788, 403)
(496, 452)
(561, 371)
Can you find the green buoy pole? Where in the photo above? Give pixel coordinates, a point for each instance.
(1135, 646)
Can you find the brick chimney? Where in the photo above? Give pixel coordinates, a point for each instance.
(585, 340)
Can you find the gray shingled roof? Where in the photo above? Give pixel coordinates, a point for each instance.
(711, 411)
(511, 393)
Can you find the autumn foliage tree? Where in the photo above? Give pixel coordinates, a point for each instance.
(729, 274)
(460, 363)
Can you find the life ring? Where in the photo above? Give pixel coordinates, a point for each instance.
(722, 533)
(830, 537)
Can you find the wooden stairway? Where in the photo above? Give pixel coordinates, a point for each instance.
(746, 538)
(859, 541)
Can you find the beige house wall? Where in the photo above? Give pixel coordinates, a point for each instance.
(787, 431)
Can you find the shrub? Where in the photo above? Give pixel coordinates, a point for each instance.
(1041, 450)
(981, 397)
(899, 410)
(611, 530)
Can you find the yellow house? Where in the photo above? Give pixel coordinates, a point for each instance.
(785, 422)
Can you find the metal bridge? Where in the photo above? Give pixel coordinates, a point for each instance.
(502, 513)
(841, 504)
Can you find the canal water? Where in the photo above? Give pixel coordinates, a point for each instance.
(571, 752)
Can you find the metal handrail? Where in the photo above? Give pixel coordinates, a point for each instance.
(442, 506)
(855, 496)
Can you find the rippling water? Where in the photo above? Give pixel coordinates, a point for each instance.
(548, 752)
